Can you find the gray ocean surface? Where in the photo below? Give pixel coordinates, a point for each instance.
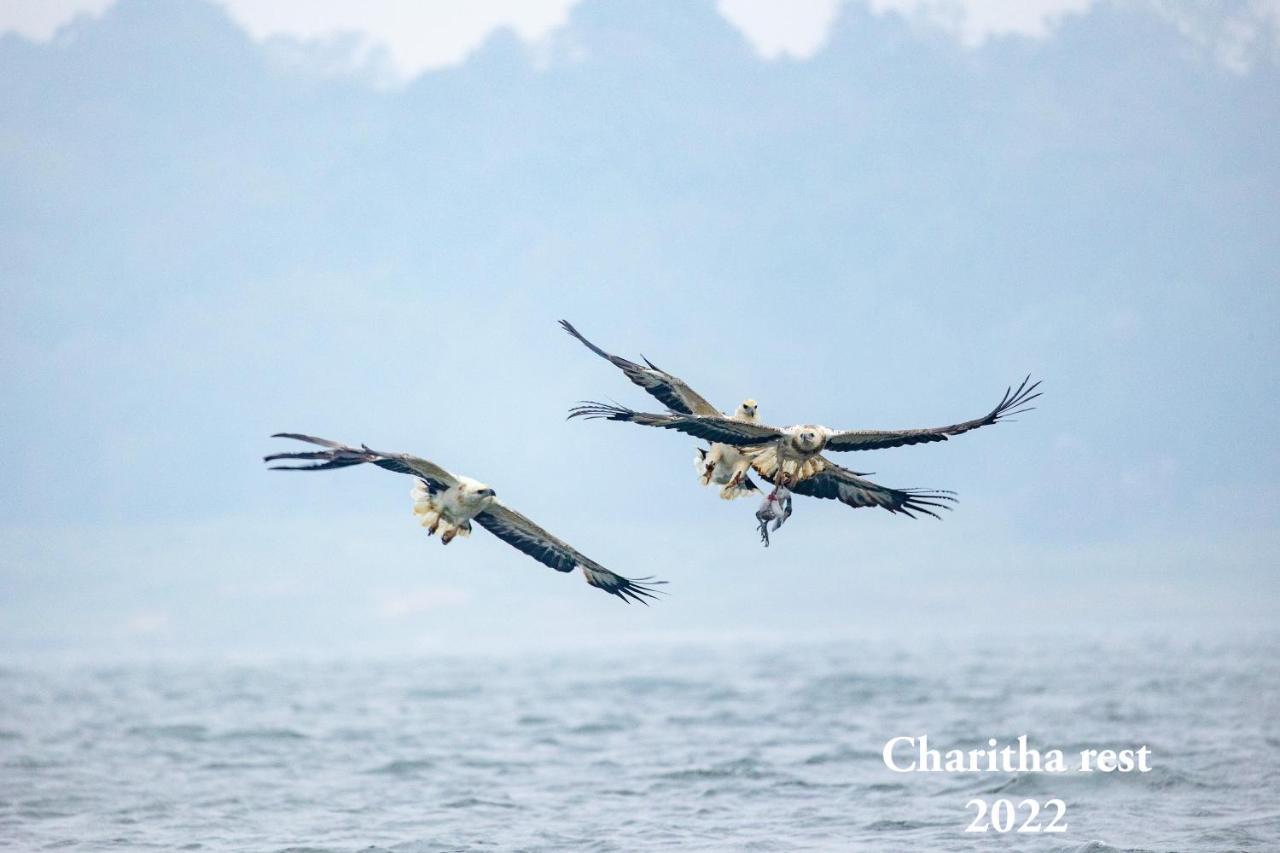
(705, 746)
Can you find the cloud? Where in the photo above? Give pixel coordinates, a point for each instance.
(1238, 35)
(417, 37)
(41, 20)
(797, 29)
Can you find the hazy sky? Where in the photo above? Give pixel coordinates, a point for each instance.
(218, 223)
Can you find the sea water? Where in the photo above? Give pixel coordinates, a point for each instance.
(699, 746)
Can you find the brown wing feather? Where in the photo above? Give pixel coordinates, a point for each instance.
(341, 456)
(1014, 402)
(832, 482)
(528, 538)
(671, 391)
(715, 429)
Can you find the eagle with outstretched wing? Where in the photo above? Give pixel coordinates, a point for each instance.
(448, 504)
(793, 454)
(720, 464)
(748, 447)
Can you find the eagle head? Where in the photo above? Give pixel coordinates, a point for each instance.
(808, 440)
(473, 493)
(747, 411)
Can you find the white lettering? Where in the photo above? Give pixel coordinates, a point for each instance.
(887, 755)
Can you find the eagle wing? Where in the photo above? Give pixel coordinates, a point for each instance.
(669, 390)
(1014, 402)
(711, 428)
(832, 482)
(525, 536)
(341, 456)
(503, 522)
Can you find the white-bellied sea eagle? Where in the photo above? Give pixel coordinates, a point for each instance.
(448, 504)
(789, 456)
(727, 463)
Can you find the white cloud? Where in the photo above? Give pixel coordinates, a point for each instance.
(1237, 34)
(40, 19)
(418, 36)
(797, 29)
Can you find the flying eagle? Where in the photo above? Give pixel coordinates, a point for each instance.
(722, 464)
(727, 463)
(792, 455)
(448, 504)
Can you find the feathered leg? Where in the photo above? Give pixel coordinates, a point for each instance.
(706, 465)
(739, 485)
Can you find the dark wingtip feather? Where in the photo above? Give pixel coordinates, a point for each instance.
(926, 501)
(638, 589)
(652, 366)
(1014, 402)
(591, 410)
(568, 327)
(335, 456)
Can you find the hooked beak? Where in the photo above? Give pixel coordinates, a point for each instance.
(488, 493)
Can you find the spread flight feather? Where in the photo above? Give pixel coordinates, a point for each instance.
(449, 503)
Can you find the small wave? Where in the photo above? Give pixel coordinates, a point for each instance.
(1095, 847)
(643, 685)
(404, 767)
(29, 762)
(176, 731)
(242, 765)
(853, 688)
(742, 768)
(459, 692)
(474, 802)
(605, 726)
(895, 825)
(842, 755)
(718, 718)
(266, 733)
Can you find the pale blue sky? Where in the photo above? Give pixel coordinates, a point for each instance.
(206, 238)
